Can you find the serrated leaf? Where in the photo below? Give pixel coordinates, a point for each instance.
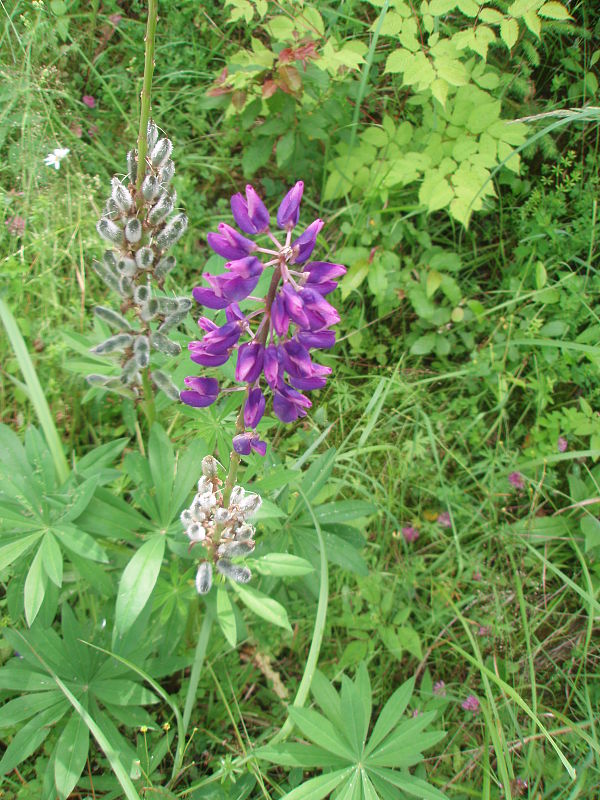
(137, 582)
(553, 10)
(70, 755)
(285, 148)
(509, 32)
(225, 616)
(262, 605)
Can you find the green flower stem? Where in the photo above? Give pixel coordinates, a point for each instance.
(149, 408)
(234, 461)
(146, 92)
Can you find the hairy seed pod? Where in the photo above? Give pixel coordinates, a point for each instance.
(125, 286)
(166, 172)
(162, 209)
(151, 134)
(210, 467)
(164, 266)
(141, 351)
(184, 303)
(97, 380)
(150, 188)
(127, 266)
(141, 294)
(109, 231)
(161, 152)
(132, 165)
(168, 305)
(204, 578)
(107, 275)
(164, 345)
(111, 209)
(115, 344)
(172, 320)
(112, 318)
(120, 195)
(172, 232)
(244, 532)
(129, 370)
(110, 259)
(133, 230)
(236, 572)
(144, 257)
(233, 549)
(162, 381)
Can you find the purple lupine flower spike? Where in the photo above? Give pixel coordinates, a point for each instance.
(289, 210)
(274, 341)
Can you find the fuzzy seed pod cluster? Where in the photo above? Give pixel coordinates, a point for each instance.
(222, 531)
(141, 225)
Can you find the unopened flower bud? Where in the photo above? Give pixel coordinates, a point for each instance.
(116, 343)
(196, 532)
(250, 504)
(172, 232)
(164, 345)
(236, 572)
(150, 187)
(204, 578)
(244, 532)
(236, 496)
(133, 230)
(162, 209)
(109, 231)
(120, 195)
(144, 257)
(161, 152)
(210, 467)
(165, 384)
(186, 518)
(112, 318)
(164, 266)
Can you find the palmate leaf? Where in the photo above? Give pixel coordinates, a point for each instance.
(70, 755)
(137, 582)
(320, 731)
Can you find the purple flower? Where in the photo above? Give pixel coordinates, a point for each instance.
(471, 704)
(201, 392)
(15, 225)
(244, 443)
(88, 101)
(274, 340)
(562, 444)
(444, 520)
(516, 480)
(410, 534)
(439, 689)
(250, 214)
(289, 210)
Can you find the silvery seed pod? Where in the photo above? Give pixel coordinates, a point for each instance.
(115, 344)
(107, 275)
(110, 259)
(129, 371)
(204, 483)
(112, 318)
(149, 310)
(250, 504)
(184, 303)
(164, 266)
(161, 152)
(172, 320)
(144, 258)
(150, 188)
(234, 549)
(165, 384)
(209, 468)
(152, 134)
(186, 518)
(244, 532)
(127, 266)
(125, 286)
(97, 380)
(111, 209)
(120, 195)
(141, 351)
(164, 345)
(168, 305)
(236, 572)
(166, 172)
(109, 231)
(141, 294)
(196, 532)
(132, 165)
(236, 496)
(133, 230)
(162, 209)
(206, 500)
(172, 232)
(204, 578)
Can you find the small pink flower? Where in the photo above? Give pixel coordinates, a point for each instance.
(484, 630)
(410, 534)
(444, 520)
(115, 19)
(76, 129)
(92, 131)
(439, 689)
(471, 704)
(476, 576)
(562, 444)
(416, 713)
(88, 101)
(15, 225)
(516, 480)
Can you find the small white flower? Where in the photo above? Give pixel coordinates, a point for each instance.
(54, 158)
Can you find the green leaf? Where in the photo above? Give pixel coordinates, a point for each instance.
(410, 784)
(256, 155)
(590, 527)
(137, 582)
(122, 692)
(263, 606)
(35, 587)
(509, 32)
(282, 565)
(70, 755)
(553, 10)
(391, 714)
(11, 552)
(162, 467)
(355, 721)
(405, 742)
(294, 754)
(19, 709)
(28, 738)
(79, 542)
(319, 730)
(285, 148)
(424, 345)
(343, 511)
(327, 699)
(225, 616)
(317, 788)
(52, 559)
